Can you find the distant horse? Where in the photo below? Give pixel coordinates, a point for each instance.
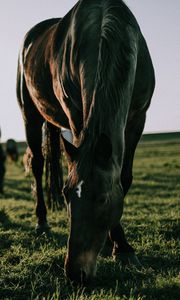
(90, 74)
(2, 167)
(12, 150)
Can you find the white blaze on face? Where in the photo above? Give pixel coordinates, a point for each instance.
(79, 188)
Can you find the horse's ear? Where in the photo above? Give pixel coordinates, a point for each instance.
(103, 150)
(70, 150)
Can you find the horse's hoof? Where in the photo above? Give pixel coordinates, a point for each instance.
(128, 259)
(43, 229)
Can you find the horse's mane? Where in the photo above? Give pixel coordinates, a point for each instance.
(117, 54)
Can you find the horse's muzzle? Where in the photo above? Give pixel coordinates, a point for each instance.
(76, 276)
(80, 270)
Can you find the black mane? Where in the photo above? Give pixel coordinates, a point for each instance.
(96, 38)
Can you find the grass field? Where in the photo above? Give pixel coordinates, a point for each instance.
(32, 268)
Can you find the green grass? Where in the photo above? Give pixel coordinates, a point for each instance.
(32, 268)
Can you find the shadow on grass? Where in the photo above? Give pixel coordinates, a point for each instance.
(134, 283)
(18, 189)
(47, 278)
(169, 291)
(161, 264)
(6, 223)
(27, 234)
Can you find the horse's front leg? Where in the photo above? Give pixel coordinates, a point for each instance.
(122, 250)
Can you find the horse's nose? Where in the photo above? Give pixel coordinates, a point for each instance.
(77, 276)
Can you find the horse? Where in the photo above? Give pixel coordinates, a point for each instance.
(90, 76)
(12, 150)
(2, 167)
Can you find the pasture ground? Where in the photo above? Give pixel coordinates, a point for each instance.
(32, 268)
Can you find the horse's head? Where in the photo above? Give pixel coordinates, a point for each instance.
(94, 198)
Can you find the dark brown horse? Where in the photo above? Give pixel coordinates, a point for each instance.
(2, 166)
(12, 150)
(90, 74)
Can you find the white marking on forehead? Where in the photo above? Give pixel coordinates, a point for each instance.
(67, 134)
(79, 188)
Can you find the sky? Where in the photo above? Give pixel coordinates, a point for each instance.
(160, 23)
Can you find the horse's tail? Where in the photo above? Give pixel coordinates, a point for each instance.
(53, 166)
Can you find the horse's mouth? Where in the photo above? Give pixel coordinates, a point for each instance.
(83, 269)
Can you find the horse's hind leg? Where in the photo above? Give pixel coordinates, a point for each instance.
(122, 250)
(34, 140)
(33, 127)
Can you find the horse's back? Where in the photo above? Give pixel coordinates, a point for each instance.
(34, 83)
(31, 52)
